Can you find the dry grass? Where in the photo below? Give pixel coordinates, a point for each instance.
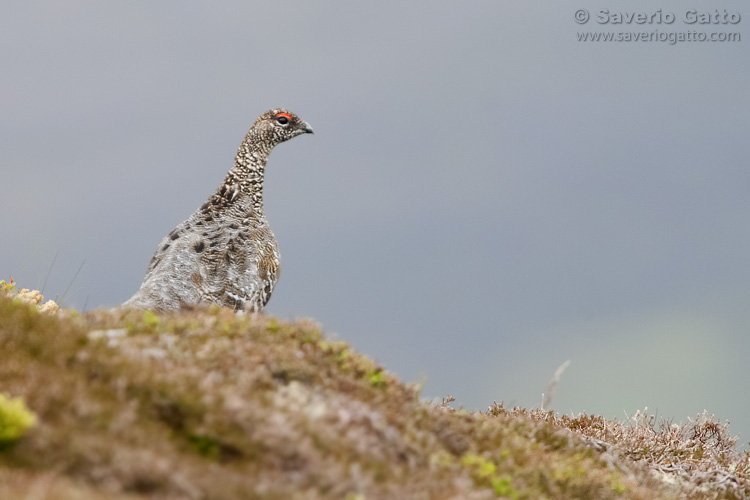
(206, 405)
(700, 454)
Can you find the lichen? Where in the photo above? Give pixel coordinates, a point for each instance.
(32, 298)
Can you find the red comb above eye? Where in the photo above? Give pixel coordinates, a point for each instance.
(285, 115)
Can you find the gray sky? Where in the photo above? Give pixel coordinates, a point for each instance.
(484, 197)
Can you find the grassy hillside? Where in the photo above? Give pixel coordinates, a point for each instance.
(206, 405)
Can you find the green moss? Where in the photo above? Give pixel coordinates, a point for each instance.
(376, 378)
(15, 420)
(485, 472)
(502, 487)
(273, 326)
(205, 445)
(616, 484)
(310, 336)
(151, 320)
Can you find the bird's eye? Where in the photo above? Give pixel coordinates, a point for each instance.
(283, 118)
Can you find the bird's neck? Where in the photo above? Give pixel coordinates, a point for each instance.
(245, 180)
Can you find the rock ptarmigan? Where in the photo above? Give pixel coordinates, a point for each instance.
(225, 253)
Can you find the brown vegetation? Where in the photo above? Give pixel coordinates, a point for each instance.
(208, 405)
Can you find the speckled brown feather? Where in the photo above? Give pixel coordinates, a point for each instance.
(224, 253)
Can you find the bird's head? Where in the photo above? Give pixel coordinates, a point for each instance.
(279, 125)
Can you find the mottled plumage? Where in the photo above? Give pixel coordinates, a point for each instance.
(224, 253)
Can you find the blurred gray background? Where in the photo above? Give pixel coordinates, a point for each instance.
(484, 197)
